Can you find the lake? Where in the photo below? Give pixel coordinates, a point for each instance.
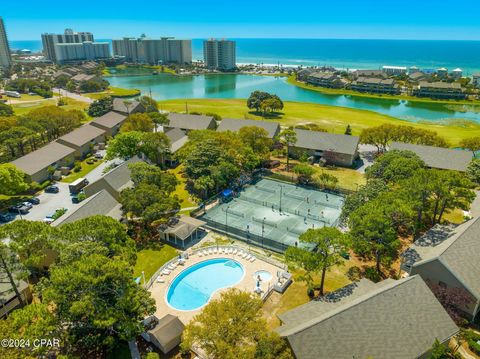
(167, 87)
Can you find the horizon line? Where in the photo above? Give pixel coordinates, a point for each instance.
(276, 38)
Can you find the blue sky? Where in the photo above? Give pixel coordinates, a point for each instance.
(371, 19)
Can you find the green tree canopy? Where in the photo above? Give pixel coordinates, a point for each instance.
(232, 327)
(328, 245)
(96, 300)
(12, 180)
(124, 145)
(395, 166)
(156, 146)
(473, 171)
(472, 144)
(6, 110)
(101, 106)
(381, 136)
(257, 139)
(149, 103)
(289, 138)
(140, 122)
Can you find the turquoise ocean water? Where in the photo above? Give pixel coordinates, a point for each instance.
(351, 54)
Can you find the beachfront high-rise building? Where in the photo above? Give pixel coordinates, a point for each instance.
(68, 37)
(153, 51)
(5, 59)
(85, 51)
(219, 54)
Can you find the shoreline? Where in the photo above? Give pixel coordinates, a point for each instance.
(328, 91)
(291, 80)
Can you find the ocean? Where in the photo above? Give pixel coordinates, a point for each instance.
(351, 54)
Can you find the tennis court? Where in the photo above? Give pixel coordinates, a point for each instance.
(274, 214)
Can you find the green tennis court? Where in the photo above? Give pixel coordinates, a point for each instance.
(274, 214)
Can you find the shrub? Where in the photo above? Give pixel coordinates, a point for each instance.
(372, 274)
(152, 355)
(215, 116)
(474, 346)
(77, 166)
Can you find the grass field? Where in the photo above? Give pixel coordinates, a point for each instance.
(292, 81)
(296, 294)
(23, 108)
(334, 119)
(151, 258)
(180, 190)
(86, 169)
(114, 92)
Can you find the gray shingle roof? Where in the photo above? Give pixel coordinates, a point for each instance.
(400, 320)
(119, 177)
(101, 203)
(168, 329)
(110, 119)
(177, 139)
(133, 106)
(190, 122)
(437, 157)
(82, 135)
(233, 124)
(43, 157)
(324, 141)
(459, 250)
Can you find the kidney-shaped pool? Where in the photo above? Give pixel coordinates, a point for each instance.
(194, 286)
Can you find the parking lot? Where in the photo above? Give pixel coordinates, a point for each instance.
(49, 202)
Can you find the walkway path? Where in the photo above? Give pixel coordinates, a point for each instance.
(132, 345)
(72, 95)
(475, 207)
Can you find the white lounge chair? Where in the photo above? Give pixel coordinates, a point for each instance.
(235, 251)
(252, 259)
(166, 272)
(160, 280)
(200, 253)
(205, 252)
(222, 250)
(215, 250)
(245, 254)
(248, 257)
(210, 251)
(230, 250)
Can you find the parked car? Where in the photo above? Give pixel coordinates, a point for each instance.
(34, 200)
(75, 199)
(98, 156)
(28, 205)
(48, 220)
(18, 209)
(52, 189)
(6, 217)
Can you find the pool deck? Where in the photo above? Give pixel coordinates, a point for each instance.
(248, 283)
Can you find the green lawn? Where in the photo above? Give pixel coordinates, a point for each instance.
(23, 108)
(332, 118)
(86, 169)
(114, 92)
(150, 259)
(292, 80)
(180, 190)
(296, 294)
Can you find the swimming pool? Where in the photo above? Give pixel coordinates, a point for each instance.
(194, 286)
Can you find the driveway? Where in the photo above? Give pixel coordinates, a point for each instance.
(72, 95)
(367, 154)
